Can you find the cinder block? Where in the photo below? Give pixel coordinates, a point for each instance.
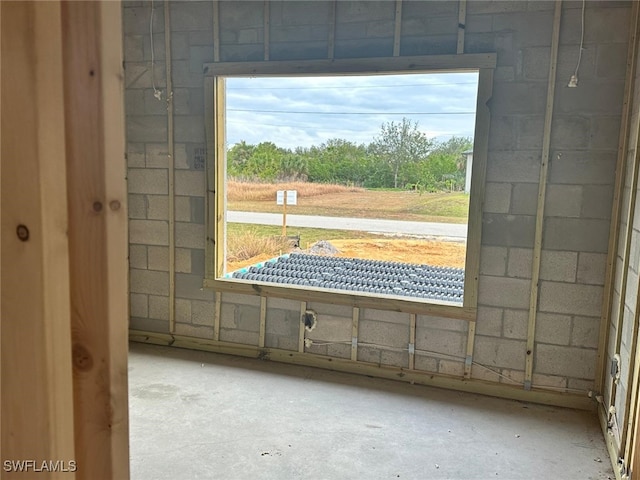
(558, 266)
(135, 155)
(503, 74)
(552, 328)
(316, 349)
(586, 332)
(183, 310)
(138, 75)
(284, 304)
(198, 56)
(239, 53)
(248, 318)
(148, 232)
(489, 321)
(137, 206)
(303, 13)
(579, 168)
(179, 46)
(554, 381)
(584, 385)
(157, 207)
(570, 132)
(147, 181)
(484, 374)
(567, 62)
(515, 166)
(197, 261)
(283, 322)
(154, 105)
(238, 15)
(190, 286)
(425, 363)
(591, 98)
(189, 183)
(133, 47)
(520, 262)
(158, 307)
(368, 354)
(612, 59)
(503, 292)
(228, 316)
(513, 376)
(331, 329)
(331, 309)
(565, 361)
(159, 258)
(499, 352)
(138, 305)
(196, 331)
(183, 209)
(241, 299)
(295, 51)
(393, 358)
(591, 268)
(189, 235)
(426, 321)
(286, 343)
(502, 135)
(137, 257)
(605, 131)
(516, 324)
(449, 367)
(535, 63)
(364, 11)
(134, 102)
(136, 19)
(529, 132)
(476, 24)
(398, 318)
(157, 154)
(441, 341)
(251, 35)
(508, 230)
(576, 234)
(497, 197)
(339, 350)
(202, 313)
(478, 7)
(611, 25)
(519, 98)
(183, 77)
(183, 260)
(493, 260)
(148, 325)
(381, 333)
(597, 201)
(524, 199)
(570, 298)
(192, 16)
(149, 282)
(189, 128)
(563, 201)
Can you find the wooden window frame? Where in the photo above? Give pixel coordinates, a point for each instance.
(214, 95)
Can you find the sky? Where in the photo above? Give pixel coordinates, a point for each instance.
(304, 111)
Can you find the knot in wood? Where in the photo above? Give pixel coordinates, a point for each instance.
(82, 359)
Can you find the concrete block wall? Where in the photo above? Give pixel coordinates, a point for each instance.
(577, 209)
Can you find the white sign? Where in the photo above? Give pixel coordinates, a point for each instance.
(292, 197)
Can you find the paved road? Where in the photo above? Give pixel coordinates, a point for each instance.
(425, 229)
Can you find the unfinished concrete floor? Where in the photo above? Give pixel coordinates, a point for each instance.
(201, 415)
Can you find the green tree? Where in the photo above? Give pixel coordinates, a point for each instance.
(401, 143)
(238, 157)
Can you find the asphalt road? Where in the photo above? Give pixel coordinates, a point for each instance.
(422, 229)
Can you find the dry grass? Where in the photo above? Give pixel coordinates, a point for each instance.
(250, 191)
(250, 244)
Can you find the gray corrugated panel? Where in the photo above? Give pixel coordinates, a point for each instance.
(358, 275)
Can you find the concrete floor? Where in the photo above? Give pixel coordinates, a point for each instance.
(200, 415)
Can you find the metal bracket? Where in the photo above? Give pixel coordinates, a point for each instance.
(412, 348)
(468, 361)
(354, 342)
(527, 384)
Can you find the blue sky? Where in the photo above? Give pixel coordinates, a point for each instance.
(348, 107)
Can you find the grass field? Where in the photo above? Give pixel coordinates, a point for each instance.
(249, 244)
(341, 201)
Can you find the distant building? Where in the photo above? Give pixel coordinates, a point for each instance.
(468, 168)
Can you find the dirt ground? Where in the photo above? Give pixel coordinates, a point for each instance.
(430, 252)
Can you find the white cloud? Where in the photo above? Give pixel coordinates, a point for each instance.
(348, 107)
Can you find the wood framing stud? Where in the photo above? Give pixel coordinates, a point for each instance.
(412, 341)
(267, 30)
(171, 173)
(462, 23)
(263, 321)
(471, 337)
(542, 190)
(332, 30)
(397, 32)
(216, 31)
(354, 333)
(301, 334)
(216, 318)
